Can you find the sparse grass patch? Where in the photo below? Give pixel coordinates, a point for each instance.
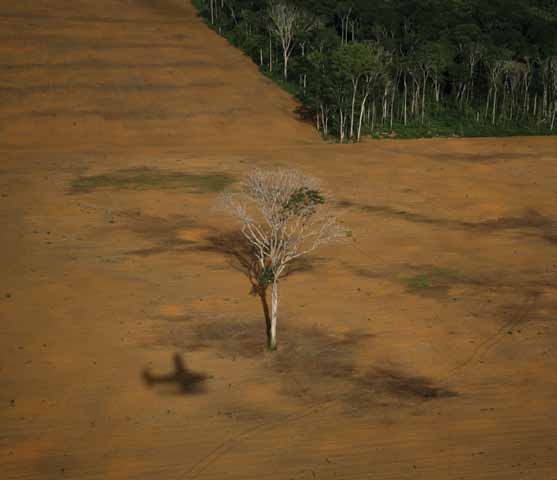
(418, 282)
(435, 278)
(150, 178)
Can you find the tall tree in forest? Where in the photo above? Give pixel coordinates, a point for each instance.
(287, 23)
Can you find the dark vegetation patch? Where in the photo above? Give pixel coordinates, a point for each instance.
(150, 178)
(432, 280)
(418, 282)
(424, 280)
(436, 282)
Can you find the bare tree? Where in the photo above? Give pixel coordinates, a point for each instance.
(283, 214)
(287, 22)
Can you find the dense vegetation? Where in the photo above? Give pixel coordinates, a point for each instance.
(414, 67)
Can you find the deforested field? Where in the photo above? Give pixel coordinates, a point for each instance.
(130, 346)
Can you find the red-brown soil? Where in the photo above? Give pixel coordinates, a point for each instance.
(423, 349)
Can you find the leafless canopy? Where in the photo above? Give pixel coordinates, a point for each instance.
(287, 22)
(284, 214)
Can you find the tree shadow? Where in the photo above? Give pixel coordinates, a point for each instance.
(242, 258)
(403, 385)
(479, 157)
(163, 232)
(529, 222)
(184, 380)
(312, 363)
(305, 114)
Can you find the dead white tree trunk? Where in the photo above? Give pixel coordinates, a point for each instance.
(287, 22)
(362, 110)
(274, 316)
(355, 82)
(283, 215)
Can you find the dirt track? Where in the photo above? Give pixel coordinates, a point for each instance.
(424, 349)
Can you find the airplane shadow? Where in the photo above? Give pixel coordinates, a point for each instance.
(181, 381)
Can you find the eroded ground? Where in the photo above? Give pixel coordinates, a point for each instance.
(130, 346)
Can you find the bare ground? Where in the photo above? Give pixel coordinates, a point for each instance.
(130, 346)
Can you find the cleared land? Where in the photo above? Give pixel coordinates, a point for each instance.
(424, 349)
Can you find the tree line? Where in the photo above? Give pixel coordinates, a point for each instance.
(368, 68)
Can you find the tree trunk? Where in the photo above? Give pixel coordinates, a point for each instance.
(544, 99)
(274, 316)
(270, 53)
(503, 103)
(362, 110)
(323, 122)
(263, 297)
(487, 102)
(494, 106)
(341, 126)
(352, 112)
(405, 96)
(385, 106)
(393, 93)
(317, 123)
(285, 72)
(423, 98)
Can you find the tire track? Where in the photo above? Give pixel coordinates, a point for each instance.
(220, 450)
(520, 317)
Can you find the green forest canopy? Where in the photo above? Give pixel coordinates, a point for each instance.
(415, 67)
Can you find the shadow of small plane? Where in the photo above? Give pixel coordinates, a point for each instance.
(185, 380)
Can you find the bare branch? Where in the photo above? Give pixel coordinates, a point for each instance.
(283, 215)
